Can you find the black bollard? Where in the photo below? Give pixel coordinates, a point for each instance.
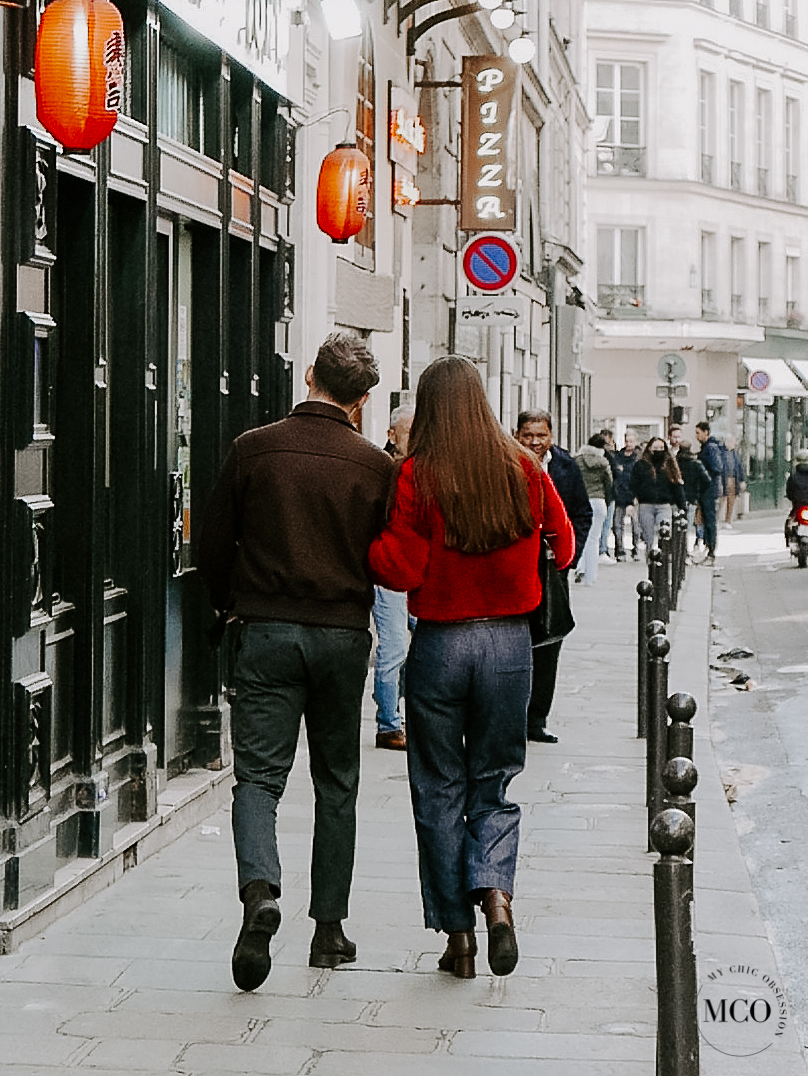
(665, 549)
(681, 709)
(680, 545)
(645, 592)
(679, 778)
(677, 1051)
(657, 576)
(656, 739)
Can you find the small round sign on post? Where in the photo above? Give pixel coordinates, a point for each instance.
(490, 262)
(759, 380)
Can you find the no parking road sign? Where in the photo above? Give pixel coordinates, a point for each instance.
(490, 262)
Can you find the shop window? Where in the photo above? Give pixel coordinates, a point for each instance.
(187, 85)
(365, 241)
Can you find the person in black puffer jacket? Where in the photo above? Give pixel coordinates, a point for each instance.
(695, 478)
(656, 483)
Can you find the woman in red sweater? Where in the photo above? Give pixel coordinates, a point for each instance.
(463, 540)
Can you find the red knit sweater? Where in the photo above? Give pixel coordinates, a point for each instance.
(444, 584)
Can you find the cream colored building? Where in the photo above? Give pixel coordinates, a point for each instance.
(697, 212)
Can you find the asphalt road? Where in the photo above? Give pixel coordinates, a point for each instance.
(760, 730)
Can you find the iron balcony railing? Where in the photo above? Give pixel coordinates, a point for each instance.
(791, 25)
(762, 14)
(763, 182)
(793, 317)
(706, 168)
(735, 175)
(737, 307)
(708, 302)
(763, 311)
(791, 188)
(621, 160)
(624, 299)
(736, 8)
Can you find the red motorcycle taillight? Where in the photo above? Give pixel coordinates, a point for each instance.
(802, 514)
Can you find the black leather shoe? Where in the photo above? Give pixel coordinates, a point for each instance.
(262, 917)
(542, 736)
(330, 947)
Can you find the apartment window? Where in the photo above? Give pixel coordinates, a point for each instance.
(619, 119)
(763, 137)
(793, 316)
(620, 269)
(708, 304)
(764, 273)
(736, 8)
(706, 124)
(762, 13)
(790, 18)
(737, 278)
(736, 135)
(180, 101)
(365, 240)
(792, 138)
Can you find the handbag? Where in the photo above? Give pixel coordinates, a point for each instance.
(553, 618)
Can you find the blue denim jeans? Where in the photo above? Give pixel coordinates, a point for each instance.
(651, 515)
(392, 628)
(285, 671)
(606, 529)
(468, 686)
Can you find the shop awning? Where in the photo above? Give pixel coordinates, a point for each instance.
(801, 366)
(782, 379)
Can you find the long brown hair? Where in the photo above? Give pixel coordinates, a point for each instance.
(669, 465)
(465, 461)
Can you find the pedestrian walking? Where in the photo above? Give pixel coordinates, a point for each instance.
(734, 480)
(710, 456)
(392, 623)
(609, 450)
(597, 475)
(656, 483)
(622, 465)
(463, 540)
(283, 549)
(535, 432)
(695, 478)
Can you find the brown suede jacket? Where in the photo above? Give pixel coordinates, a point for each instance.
(290, 520)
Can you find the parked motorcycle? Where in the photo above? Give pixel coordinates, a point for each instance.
(797, 534)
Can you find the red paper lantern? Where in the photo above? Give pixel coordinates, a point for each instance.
(343, 192)
(79, 71)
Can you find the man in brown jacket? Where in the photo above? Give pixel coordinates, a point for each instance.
(283, 549)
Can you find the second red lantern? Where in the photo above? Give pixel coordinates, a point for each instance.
(343, 192)
(79, 71)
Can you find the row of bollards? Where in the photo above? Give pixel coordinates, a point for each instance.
(671, 777)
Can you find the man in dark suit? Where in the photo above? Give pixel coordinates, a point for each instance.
(535, 431)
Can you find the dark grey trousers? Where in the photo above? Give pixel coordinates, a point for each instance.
(285, 671)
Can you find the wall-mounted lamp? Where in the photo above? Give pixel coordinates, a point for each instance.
(503, 18)
(522, 49)
(342, 18)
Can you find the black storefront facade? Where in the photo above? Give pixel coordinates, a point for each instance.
(145, 298)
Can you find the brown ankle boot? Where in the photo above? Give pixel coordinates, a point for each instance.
(503, 952)
(460, 953)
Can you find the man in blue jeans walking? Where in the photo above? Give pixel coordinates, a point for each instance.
(392, 622)
(283, 550)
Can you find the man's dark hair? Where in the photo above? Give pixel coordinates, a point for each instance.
(597, 440)
(345, 368)
(703, 426)
(534, 416)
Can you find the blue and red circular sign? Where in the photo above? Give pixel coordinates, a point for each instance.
(759, 380)
(490, 262)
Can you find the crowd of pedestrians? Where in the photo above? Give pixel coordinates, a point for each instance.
(311, 528)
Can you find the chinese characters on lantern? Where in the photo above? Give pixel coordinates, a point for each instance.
(114, 66)
(488, 166)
